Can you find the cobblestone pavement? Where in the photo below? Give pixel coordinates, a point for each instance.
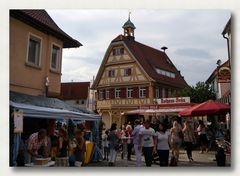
(200, 160)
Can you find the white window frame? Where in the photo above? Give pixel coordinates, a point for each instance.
(142, 92)
(117, 92)
(58, 64)
(129, 92)
(40, 50)
(107, 93)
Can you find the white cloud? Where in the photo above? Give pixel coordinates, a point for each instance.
(179, 30)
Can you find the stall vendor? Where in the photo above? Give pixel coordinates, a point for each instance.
(37, 144)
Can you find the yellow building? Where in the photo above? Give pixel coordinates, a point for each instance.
(133, 74)
(36, 44)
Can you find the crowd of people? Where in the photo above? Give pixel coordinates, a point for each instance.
(155, 140)
(151, 139)
(59, 147)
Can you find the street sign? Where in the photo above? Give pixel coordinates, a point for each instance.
(18, 122)
(177, 100)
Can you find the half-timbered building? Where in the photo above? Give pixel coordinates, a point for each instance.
(133, 74)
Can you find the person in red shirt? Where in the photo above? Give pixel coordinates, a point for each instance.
(129, 136)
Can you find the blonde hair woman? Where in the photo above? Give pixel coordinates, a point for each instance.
(176, 140)
(189, 139)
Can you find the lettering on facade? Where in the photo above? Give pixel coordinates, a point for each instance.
(177, 100)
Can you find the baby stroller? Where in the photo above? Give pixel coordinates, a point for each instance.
(223, 149)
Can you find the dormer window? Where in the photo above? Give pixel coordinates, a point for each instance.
(165, 73)
(118, 51)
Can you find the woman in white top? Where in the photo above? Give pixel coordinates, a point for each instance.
(163, 141)
(106, 145)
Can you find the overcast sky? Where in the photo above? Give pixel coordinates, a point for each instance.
(193, 38)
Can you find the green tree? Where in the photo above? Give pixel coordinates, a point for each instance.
(199, 93)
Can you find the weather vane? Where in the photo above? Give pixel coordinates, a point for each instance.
(129, 13)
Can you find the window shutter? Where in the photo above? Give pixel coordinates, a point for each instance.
(166, 93)
(129, 71)
(97, 95)
(114, 52)
(109, 73)
(160, 93)
(147, 92)
(103, 92)
(122, 50)
(123, 92)
(154, 92)
(112, 91)
(135, 92)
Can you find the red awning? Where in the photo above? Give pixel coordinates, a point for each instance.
(209, 107)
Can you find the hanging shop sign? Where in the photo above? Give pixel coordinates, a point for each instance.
(224, 75)
(18, 122)
(177, 100)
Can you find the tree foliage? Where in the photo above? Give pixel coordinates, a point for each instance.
(199, 93)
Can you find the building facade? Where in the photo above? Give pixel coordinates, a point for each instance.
(36, 45)
(133, 74)
(220, 79)
(75, 93)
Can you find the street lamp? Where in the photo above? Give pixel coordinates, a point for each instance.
(46, 86)
(219, 62)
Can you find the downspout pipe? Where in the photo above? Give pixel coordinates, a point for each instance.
(227, 46)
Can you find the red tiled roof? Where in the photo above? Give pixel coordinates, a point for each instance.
(150, 59)
(74, 90)
(41, 20)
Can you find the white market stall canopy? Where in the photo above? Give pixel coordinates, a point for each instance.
(51, 113)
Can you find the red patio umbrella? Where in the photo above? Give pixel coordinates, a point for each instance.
(209, 107)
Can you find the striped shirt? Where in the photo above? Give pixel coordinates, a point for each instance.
(34, 143)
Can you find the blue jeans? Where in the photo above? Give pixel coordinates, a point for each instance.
(163, 157)
(148, 152)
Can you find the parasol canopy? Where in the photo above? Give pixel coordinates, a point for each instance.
(209, 107)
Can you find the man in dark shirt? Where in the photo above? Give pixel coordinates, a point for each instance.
(155, 124)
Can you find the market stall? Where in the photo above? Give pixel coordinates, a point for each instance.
(29, 113)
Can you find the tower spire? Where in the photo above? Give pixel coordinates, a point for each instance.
(128, 27)
(129, 13)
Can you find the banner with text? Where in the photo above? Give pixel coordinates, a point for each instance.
(177, 100)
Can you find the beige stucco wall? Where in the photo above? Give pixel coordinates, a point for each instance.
(26, 79)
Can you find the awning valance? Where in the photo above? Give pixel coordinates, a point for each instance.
(51, 113)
